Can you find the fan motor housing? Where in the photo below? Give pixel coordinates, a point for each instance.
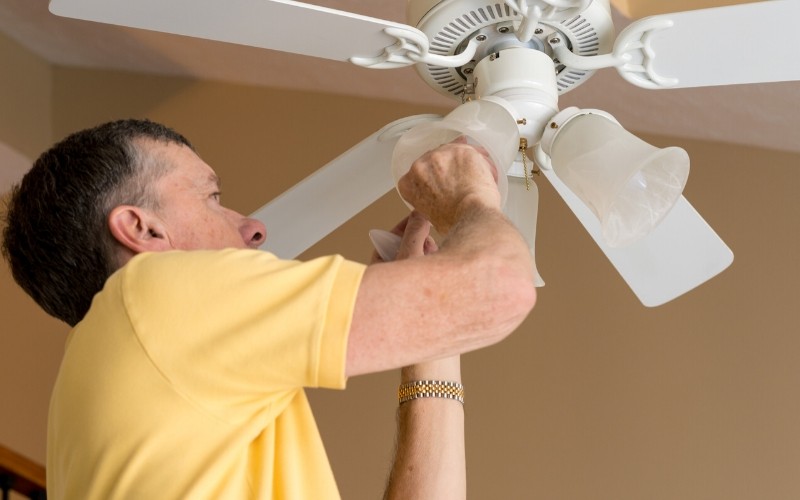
(451, 24)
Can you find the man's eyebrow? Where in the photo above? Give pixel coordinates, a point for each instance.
(214, 179)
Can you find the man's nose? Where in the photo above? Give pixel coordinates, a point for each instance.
(253, 232)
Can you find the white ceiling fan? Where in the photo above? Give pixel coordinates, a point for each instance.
(515, 56)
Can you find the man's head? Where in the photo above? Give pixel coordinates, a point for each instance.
(103, 195)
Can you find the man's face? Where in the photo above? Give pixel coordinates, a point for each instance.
(189, 205)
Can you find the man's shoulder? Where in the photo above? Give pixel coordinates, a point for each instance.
(198, 267)
(189, 257)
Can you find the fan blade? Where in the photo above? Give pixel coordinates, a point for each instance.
(712, 46)
(326, 199)
(282, 25)
(636, 9)
(681, 253)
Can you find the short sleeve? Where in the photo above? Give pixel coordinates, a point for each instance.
(234, 328)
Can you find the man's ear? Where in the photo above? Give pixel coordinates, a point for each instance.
(138, 229)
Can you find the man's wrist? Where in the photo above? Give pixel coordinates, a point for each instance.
(448, 368)
(470, 208)
(419, 389)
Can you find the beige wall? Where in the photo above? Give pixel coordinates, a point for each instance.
(25, 94)
(30, 342)
(594, 397)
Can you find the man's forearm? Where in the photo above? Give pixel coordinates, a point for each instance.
(471, 293)
(430, 454)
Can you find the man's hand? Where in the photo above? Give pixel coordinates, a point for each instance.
(445, 181)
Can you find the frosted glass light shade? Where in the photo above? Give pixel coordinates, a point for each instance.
(522, 209)
(629, 184)
(483, 122)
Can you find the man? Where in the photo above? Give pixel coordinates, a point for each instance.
(183, 375)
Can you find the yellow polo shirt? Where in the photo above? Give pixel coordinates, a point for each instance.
(185, 379)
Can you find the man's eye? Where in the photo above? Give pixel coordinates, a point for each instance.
(217, 196)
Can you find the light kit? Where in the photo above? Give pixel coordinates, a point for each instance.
(627, 183)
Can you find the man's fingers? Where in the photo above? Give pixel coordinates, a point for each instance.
(417, 232)
(400, 228)
(430, 246)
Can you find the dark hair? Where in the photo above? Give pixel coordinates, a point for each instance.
(56, 239)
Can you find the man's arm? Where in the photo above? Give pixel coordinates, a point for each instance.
(471, 293)
(430, 456)
(430, 461)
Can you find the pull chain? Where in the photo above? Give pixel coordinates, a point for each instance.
(523, 145)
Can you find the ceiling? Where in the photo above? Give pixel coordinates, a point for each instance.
(760, 115)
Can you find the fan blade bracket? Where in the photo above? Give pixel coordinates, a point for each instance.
(535, 11)
(412, 47)
(633, 45)
(589, 63)
(632, 56)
